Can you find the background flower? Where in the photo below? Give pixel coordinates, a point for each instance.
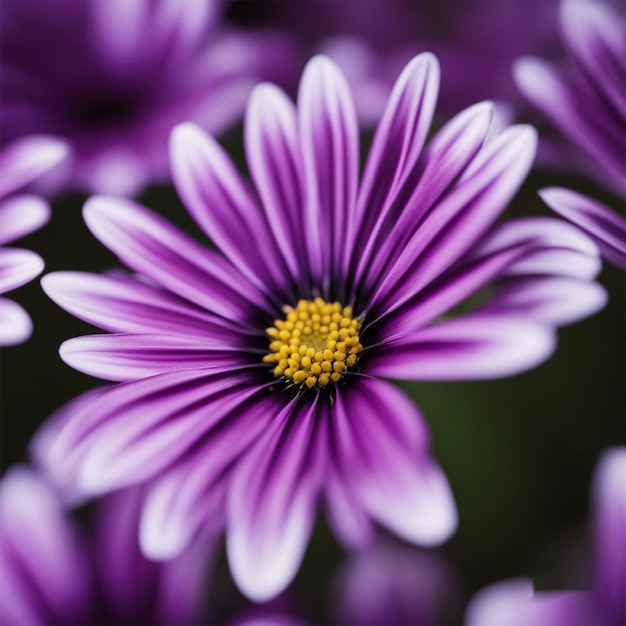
(52, 573)
(515, 602)
(586, 99)
(21, 163)
(114, 77)
(223, 410)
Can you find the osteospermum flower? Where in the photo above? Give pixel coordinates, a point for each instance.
(515, 602)
(252, 378)
(114, 77)
(53, 573)
(586, 101)
(21, 163)
(606, 227)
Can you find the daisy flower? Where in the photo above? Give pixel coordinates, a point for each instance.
(51, 572)
(114, 77)
(22, 162)
(252, 378)
(586, 99)
(515, 602)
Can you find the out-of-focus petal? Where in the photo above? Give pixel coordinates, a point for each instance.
(609, 519)
(15, 324)
(514, 603)
(605, 226)
(21, 215)
(18, 267)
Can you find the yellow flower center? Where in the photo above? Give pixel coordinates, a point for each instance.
(315, 344)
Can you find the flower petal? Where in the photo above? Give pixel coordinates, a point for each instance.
(26, 159)
(271, 504)
(444, 159)
(21, 215)
(609, 507)
(380, 444)
(273, 157)
(129, 357)
(148, 244)
(124, 435)
(329, 140)
(191, 496)
(514, 603)
(15, 324)
(127, 305)
(222, 205)
(397, 145)
(18, 267)
(462, 216)
(44, 575)
(606, 227)
(472, 347)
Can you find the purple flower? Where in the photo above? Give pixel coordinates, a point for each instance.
(586, 101)
(371, 40)
(21, 163)
(514, 602)
(114, 77)
(250, 378)
(603, 225)
(50, 573)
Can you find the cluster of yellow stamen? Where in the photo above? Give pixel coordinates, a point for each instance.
(315, 344)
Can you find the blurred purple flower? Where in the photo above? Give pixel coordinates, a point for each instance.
(114, 77)
(585, 101)
(603, 225)
(50, 573)
(251, 376)
(393, 584)
(515, 603)
(371, 40)
(22, 162)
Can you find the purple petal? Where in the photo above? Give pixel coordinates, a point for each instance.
(26, 159)
(514, 603)
(129, 357)
(606, 227)
(462, 216)
(222, 205)
(44, 575)
(124, 435)
(555, 299)
(349, 521)
(15, 324)
(274, 160)
(594, 36)
(609, 506)
(272, 501)
(136, 589)
(191, 496)
(18, 267)
(329, 140)
(561, 105)
(148, 244)
(126, 305)
(444, 159)
(397, 145)
(473, 347)
(556, 248)
(380, 445)
(21, 215)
